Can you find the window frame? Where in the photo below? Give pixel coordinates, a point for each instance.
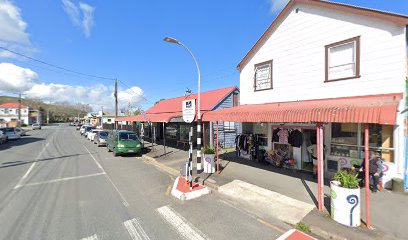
(357, 58)
(270, 73)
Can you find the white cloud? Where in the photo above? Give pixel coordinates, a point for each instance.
(23, 80)
(13, 33)
(16, 79)
(277, 5)
(81, 15)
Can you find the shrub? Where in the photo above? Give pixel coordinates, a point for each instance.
(303, 227)
(347, 179)
(209, 151)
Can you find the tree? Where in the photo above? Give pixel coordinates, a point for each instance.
(159, 101)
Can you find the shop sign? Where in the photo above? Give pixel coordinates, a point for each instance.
(263, 75)
(189, 110)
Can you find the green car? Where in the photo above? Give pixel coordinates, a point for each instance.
(123, 142)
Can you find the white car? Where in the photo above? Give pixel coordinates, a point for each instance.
(82, 129)
(21, 131)
(11, 133)
(91, 135)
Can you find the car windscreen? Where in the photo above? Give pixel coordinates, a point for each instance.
(103, 135)
(89, 128)
(128, 136)
(7, 130)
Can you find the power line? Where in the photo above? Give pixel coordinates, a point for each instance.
(56, 66)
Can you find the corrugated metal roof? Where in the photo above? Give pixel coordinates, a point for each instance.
(208, 101)
(381, 109)
(12, 105)
(167, 109)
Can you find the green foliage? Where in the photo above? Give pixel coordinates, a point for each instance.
(303, 227)
(347, 179)
(209, 151)
(24, 125)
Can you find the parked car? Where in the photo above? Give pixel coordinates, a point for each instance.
(88, 129)
(3, 137)
(78, 126)
(11, 133)
(21, 131)
(35, 126)
(82, 129)
(100, 138)
(123, 142)
(91, 134)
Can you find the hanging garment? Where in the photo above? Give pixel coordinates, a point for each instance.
(283, 136)
(275, 136)
(295, 138)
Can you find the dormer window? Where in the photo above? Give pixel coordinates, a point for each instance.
(343, 60)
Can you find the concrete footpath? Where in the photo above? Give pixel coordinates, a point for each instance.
(242, 181)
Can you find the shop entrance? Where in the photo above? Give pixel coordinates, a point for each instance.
(309, 139)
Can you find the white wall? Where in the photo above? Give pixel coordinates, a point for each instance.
(297, 48)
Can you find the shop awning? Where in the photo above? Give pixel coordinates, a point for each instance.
(381, 109)
(159, 117)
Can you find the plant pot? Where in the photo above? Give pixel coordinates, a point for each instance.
(345, 205)
(209, 164)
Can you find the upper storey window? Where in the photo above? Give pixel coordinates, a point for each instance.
(263, 76)
(343, 60)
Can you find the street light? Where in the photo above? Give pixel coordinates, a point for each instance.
(172, 40)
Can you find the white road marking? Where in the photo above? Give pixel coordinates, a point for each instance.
(97, 163)
(93, 237)
(135, 230)
(33, 164)
(180, 224)
(62, 179)
(110, 180)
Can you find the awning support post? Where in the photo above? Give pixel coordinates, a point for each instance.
(164, 138)
(320, 177)
(204, 135)
(216, 152)
(367, 176)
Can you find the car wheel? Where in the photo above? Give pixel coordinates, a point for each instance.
(115, 153)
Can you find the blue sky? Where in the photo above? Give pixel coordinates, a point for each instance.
(124, 39)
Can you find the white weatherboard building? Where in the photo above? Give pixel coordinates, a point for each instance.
(9, 113)
(338, 65)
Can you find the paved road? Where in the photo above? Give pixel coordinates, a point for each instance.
(55, 184)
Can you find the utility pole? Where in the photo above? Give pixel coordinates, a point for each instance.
(116, 103)
(19, 109)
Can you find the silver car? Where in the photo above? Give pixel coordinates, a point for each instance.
(3, 137)
(21, 131)
(11, 133)
(35, 126)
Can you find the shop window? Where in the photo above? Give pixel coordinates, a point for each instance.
(344, 133)
(263, 76)
(229, 126)
(381, 140)
(184, 132)
(171, 131)
(343, 60)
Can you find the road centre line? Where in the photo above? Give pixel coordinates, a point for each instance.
(62, 179)
(125, 203)
(33, 164)
(93, 237)
(135, 230)
(180, 224)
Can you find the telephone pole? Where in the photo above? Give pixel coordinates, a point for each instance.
(19, 109)
(116, 103)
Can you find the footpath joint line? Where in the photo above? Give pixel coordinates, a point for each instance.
(93, 237)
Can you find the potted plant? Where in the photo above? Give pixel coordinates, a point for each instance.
(345, 198)
(209, 158)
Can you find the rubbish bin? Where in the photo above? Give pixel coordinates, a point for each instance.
(209, 164)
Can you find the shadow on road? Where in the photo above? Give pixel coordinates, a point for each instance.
(19, 142)
(18, 163)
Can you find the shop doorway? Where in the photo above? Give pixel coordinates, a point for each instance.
(309, 136)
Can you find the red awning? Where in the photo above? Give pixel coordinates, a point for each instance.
(159, 117)
(381, 109)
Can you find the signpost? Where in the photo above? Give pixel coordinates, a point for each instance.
(188, 117)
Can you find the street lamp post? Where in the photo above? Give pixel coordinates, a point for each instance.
(199, 166)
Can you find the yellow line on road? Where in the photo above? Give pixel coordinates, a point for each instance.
(271, 226)
(172, 178)
(168, 190)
